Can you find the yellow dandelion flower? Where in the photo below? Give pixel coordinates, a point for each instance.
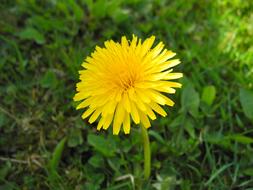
(126, 81)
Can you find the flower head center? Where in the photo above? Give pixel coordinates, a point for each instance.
(125, 80)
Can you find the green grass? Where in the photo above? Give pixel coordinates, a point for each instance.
(204, 143)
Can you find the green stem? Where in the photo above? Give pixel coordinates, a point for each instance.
(147, 153)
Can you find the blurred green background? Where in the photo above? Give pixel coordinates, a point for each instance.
(204, 143)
